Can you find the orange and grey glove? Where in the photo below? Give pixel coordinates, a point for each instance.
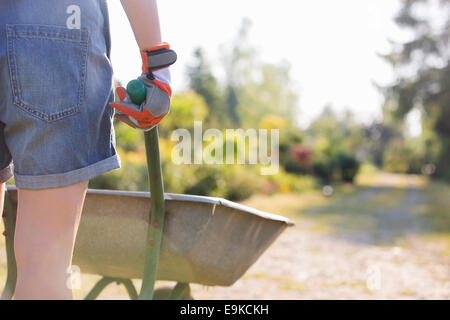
(156, 79)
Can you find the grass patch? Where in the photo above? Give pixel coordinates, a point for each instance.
(437, 209)
(288, 205)
(285, 283)
(292, 286)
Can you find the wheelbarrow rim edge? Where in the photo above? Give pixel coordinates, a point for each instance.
(188, 198)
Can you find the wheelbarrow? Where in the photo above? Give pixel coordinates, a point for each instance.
(153, 236)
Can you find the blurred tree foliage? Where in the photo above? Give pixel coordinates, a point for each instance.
(337, 142)
(251, 90)
(185, 108)
(204, 83)
(423, 72)
(252, 94)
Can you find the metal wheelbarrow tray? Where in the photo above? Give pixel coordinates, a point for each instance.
(209, 241)
(188, 239)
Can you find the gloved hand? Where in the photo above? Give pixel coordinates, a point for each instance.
(156, 79)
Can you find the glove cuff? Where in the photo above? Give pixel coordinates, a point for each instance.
(157, 57)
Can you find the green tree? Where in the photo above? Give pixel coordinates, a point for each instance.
(250, 89)
(423, 71)
(238, 57)
(203, 82)
(270, 91)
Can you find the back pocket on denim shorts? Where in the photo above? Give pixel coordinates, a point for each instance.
(47, 67)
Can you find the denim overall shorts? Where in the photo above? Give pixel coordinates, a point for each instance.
(56, 125)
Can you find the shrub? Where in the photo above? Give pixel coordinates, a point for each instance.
(323, 169)
(131, 176)
(302, 154)
(205, 182)
(348, 166)
(241, 183)
(286, 182)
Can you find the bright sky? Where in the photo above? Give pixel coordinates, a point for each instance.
(331, 45)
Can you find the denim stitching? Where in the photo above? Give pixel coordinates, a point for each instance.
(13, 68)
(81, 89)
(20, 35)
(12, 33)
(48, 32)
(62, 179)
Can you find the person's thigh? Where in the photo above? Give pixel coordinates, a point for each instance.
(50, 209)
(2, 195)
(46, 228)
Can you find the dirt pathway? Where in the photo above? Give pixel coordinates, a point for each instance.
(386, 238)
(367, 243)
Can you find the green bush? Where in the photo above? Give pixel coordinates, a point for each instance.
(348, 166)
(131, 176)
(287, 182)
(400, 157)
(323, 169)
(205, 182)
(241, 183)
(127, 138)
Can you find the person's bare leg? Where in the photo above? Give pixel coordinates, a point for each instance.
(46, 227)
(2, 195)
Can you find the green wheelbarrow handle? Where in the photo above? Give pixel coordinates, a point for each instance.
(155, 229)
(137, 92)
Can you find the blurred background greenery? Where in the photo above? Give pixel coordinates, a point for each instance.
(390, 195)
(331, 150)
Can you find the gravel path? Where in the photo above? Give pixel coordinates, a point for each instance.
(365, 242)
(302, 265)
(393, 257)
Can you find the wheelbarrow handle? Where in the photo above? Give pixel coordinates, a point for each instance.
(156, 224)
(137, 93)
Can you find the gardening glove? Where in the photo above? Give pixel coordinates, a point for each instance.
(156, 79)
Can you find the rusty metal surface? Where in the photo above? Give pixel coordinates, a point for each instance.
(209, 241)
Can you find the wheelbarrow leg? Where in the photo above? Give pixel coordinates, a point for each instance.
(9, 219)
(180, 292)
(105, 281)
(130, 288)
(155, 229)
(98, 288)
